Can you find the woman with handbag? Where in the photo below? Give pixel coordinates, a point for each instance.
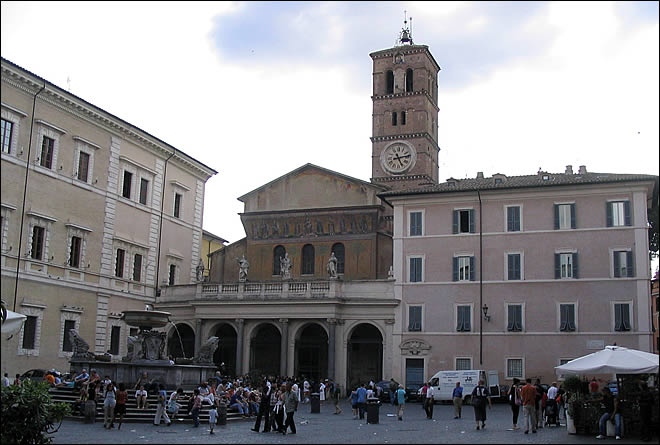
(515, 400)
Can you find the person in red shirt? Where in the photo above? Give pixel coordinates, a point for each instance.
(528, 394)
(594, 387)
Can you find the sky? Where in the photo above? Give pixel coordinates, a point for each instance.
(257, 89)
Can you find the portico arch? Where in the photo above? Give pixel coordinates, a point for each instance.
(365, 355)
(226, 352)
(311, 353)
(181, 335)
(265, 350)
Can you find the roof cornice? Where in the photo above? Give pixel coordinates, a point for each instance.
(30, 83)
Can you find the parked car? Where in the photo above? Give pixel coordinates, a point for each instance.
(36, 375)
(413, 392)
(384, 385)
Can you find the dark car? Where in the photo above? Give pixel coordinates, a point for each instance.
(36, 375)
(412, 392)
(384, 389)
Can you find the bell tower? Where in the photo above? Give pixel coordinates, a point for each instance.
(405, 115)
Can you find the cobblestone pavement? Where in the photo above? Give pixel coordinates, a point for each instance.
(337, 429)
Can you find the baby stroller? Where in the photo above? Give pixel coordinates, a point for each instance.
(551, 413)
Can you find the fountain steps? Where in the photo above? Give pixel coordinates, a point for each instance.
(68, 395)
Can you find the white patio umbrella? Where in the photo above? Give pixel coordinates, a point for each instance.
(13, 323)
(612, 360)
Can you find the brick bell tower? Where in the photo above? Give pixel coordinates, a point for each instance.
(405, 115)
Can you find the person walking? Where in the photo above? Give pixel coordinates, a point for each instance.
(109, 402)
(393, 387)
(336, 395)
(528, 394)
(515, 401)
(428, 407)
(264, 409)
(161, 410)
(361, 400)
(278, 409)
(537, 404)
(196, 406)
(5, 380)
(400, 401)
(480, 396)
(290, 406)
(457, 397)
(354, 405)
(173, 405)
(120, 407)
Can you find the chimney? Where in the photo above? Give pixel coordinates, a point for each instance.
(583, 169)
(480, 175)
(569, 170)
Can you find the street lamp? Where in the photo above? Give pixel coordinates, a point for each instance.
(485, 311)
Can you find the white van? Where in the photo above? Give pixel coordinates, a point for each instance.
(444, 382)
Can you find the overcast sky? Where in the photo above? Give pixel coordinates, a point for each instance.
(255, 90)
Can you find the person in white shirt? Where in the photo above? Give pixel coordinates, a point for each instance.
(428, 403)
(552, 391)
(5, 380)
(306, 390)
(322, 392)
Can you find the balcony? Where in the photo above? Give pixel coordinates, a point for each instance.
(279, 290)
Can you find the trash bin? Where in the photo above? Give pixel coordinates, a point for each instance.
(90, 411)
(315, 402)
(373, 408)
(222, 414)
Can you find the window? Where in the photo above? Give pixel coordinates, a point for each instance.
(513, 219)
(513, 266)
(38, 238)
(409, 80)
(414, 318)
(621, 316)
(623, 264)
(119, 264)
(7, 134)
(340, 253)
(403, 118)
(126, 189)
(67, 346)
(172, 276)
(514, 368)
(514, 317)
(83, 166)
(278, 253)
(566, 265)
(177, 205)
(137, 267)
(463, 221)
(618, 214)
(29, 332)
(75, 251)
(415, 223)
(463, 268)
(463, 318)
(389, 82)
(394, 118)
(564, 216)
(308, 260)
(415, 269)
(567, 317)
(114, 340)
(463, 363)
(47, 147)
(144, 189)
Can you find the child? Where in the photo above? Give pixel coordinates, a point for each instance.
(213, 413)
(141, 398)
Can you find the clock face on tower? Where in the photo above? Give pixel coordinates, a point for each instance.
(398, 157)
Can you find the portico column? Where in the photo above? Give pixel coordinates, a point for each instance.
(284, 345)
(198, 336)
(332, 324)
(240, 323)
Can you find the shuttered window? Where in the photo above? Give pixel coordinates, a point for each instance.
(618, 214)
(513, 266)
(623, 264)
(621, 317)
(415, 269)
(415, 223)
(514, 314)
(463, 221)
(513, 219)
(414, 318)
(567, 317)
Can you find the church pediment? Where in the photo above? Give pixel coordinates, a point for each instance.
(414, 347)
(311, 187)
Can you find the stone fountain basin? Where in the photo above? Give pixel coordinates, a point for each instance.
(146, 319)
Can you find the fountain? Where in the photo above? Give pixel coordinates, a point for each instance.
(146, 352)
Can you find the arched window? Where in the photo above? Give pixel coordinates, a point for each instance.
(394, 118)
(389, 89)
(307, 260)
(278, 252)
(338, 249)
(409, 80)
(403, 118)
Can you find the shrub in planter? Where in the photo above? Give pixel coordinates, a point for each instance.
(28, 414)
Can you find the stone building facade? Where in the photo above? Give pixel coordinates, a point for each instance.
(110, 213)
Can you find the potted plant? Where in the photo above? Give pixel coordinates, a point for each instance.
(573, 386)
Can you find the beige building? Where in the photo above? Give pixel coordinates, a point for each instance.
(210, 244)
(96, 215)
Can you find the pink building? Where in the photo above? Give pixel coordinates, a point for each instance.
(521, 274)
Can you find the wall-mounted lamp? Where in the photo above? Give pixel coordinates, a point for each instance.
(484, 309)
